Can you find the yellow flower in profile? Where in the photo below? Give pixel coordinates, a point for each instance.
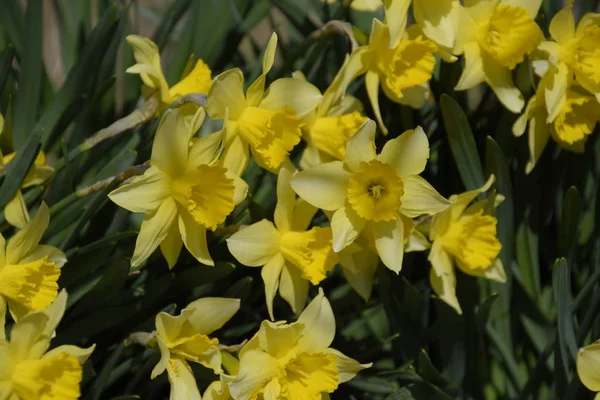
(495, 36)
(401, 60)
(29, 271)
(575, 121)
(574, 52)
(290, 255)
(294, 361)
(28, 370)
(266, 122)
(16, 210)
(184, 338)
(588, 367)
(465, 235)
(185, 191)
(148, 67)
(379, 192)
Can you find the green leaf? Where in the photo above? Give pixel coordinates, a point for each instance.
(527, 256)
(482, 314)
(569, 224)
(428, 372)
(27, 99)
(402, 394)
(462, 143)
(6, 59)
(12, 21)
(170, 19)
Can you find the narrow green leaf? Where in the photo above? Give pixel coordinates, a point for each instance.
(462, 143)
(27, 99)
(527, 256)
(12, 21)
(569, 224)
(6, 59)
(169, 20)
(428, 372)
(402, 394)
(483, 312)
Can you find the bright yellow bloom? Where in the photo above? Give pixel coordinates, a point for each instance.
(588, 367)
(496, 35)
(148, 67)
(290, 255)
(380, 191)
(401, 60)
(294, 361)
(29, 371)
(219, 390)
(575, 52)
(464, 235)
(29, 271)
(184, 338)
(185, 191)
(266, 122)
(574, 122)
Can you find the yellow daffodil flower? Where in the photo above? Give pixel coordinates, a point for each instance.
(576, 119)
(219, 390)
(575, 52)
(290, 255)
(28, 370)
(185, 191)
(184, 338)
(465, 235)
(380, 191)
(149, 68)
(588, 367)
(335, 120)
(266, 122)
(29, 271)
(294, 361)
(495, 36)
(401, 60)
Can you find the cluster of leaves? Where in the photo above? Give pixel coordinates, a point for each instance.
(514, 340)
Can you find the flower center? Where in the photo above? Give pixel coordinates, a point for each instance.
(330, 134)
(509, 35)
(33, 285)
(310, 374)
(472, 240)
(50, 378)
(375, 191)
(577, 118)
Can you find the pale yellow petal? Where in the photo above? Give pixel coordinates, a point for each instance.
(286, 200)
(293, 288)
(171, 245)
(153, 231)
(532, 6)
(408, 153)
(319, 325)
(303, 215)
(240, 187)
(520, 124)
(302, 96)
(555, 82)
(170, 147)
(396, 17)
(346, 226)
(211, 313)
(539, 134)
(323, 186)
(227, 92)
(361, 147)
(414, 96)
(148, 65)
(443, 277)
(500, 80)
(588, 366)
(251, 379)
(181, 378)
(366, 5)
(473, 73)
(439, 19)
(236, 155)
(205, 150)
(271, 274)
(562, 26)
(25, 241)
(194, 238)
(359, 270)
(256, 244)
(389, 241)
(347, 367)
(81, 354)
(421, 198)
(16, 211)
(143, 194)
(2, 317)
(372, 85)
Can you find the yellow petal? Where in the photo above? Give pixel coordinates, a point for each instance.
(79, 353)
(319, 325)
(240, 187)
(211, 313)
(347, 367)
(408, 153)
(359, 270)
(271, 274)
(500, 80)
(473, 73)
(372, 85)
(143, 194)
(323, 186)
(445, 287)
(153, 231)
(256, 90)
(366, 5)
(194, 238)
(250, 380)
(532, 6)
(256, 244)
(462, 201)
(537, 140)
(555, 82)
(2, 317)
(227, 92)
(303, 215)
(588, 366)
(50, 378)
(235, 155)
(562, 26)
(50, 252)
(148, 66)
(520, 124)
(170, 247)
(439, 19)
(286, 200)
(396, 16)
(346, 226)
(205, 150)
(389, 241)
(314, 372)
(16, 211)
(293, 288)
(302, 97)
(25, 241)
(361, 147)
(421, 198)
(197, 81)
(181, 378)
(170, 147)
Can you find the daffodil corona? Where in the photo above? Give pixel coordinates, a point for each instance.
(266, 122)
(29, 371)
(464, 235)
(295, 359)
(185, 191)
(380, 191)
(291, 255)
(29, 271)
